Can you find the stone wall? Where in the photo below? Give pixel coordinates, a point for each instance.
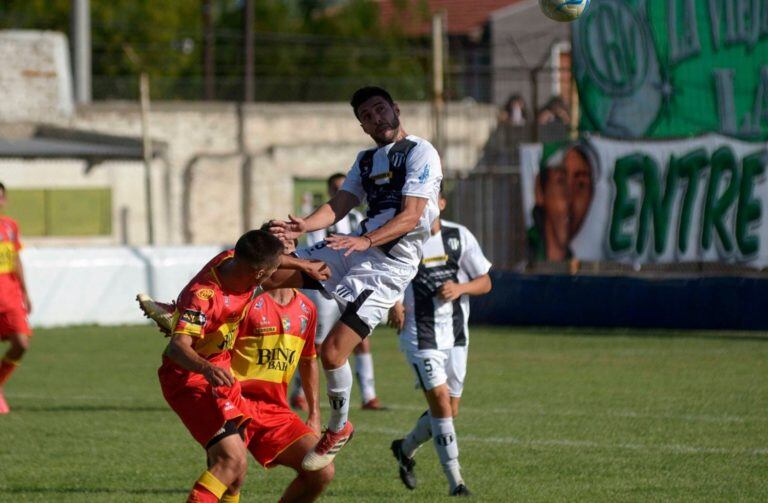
(35, 81)
(228, 168)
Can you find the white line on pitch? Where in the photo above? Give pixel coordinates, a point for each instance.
(675, 448)
(468, 410)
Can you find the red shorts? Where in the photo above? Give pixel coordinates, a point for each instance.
(272, 431)
(202, 408)
(14, 322)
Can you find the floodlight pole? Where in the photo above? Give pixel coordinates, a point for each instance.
(248, 80)
(438, 79)
(81, 49)
(209, 65)
(146, 144)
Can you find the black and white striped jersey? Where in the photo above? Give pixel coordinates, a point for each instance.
(453, 254)
(381, 177)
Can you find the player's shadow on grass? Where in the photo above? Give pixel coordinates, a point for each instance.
(90, 490)
(88, 408)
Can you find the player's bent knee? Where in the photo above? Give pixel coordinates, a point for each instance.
(331, 356)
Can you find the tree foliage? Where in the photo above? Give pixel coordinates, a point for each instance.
(304, 49)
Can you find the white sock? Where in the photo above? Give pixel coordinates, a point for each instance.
(447, 448)
(420, 434)
(339, 388)
(296, 388)
(364, 371)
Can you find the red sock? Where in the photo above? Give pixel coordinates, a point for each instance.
(6, 369)
(200, 494)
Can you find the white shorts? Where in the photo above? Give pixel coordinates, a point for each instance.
(434, 367)
(366, 284)
(328, 313)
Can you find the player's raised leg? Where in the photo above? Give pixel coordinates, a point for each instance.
(334, 354)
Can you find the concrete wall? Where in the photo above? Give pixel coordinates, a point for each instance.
(227, 168)
(35, 81)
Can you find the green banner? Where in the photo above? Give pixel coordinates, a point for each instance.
(673, 68)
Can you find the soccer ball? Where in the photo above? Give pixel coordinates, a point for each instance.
(563, 10)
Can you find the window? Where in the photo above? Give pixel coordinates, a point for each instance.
(61, 212)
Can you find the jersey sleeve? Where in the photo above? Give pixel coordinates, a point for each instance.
(191, 314)
(472, 260)
(354, 182)
(423, 172)
(309, 344)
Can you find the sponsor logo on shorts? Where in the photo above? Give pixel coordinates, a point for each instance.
(204, 294)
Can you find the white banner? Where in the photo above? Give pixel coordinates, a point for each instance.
(694, 200)
(74, 286)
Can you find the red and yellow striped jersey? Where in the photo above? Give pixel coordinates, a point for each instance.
(10, 244)
(272, 340)
(208, 314)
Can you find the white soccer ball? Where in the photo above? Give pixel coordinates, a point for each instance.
(563, 10)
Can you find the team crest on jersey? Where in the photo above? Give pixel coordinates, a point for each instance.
(286, 323)
(398, 159)
(453, 243)
(304, 322)
(204, 294)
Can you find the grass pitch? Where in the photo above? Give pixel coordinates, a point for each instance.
(547, 415)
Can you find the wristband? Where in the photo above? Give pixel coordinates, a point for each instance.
(370, 242)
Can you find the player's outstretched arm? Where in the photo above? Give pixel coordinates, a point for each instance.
(297, 273)
(451, 291)
(180, 351)
(324, 216)
(403, 223)
(310, 383)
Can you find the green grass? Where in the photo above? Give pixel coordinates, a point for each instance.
(547, 415)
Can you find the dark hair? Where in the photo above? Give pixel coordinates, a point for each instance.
(2, 187)
(258, 248)
(365, 93)
(332, 179)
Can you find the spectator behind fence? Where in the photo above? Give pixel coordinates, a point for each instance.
(555, 111)
(513, 112)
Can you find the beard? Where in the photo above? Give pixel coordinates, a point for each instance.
(386, 136)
